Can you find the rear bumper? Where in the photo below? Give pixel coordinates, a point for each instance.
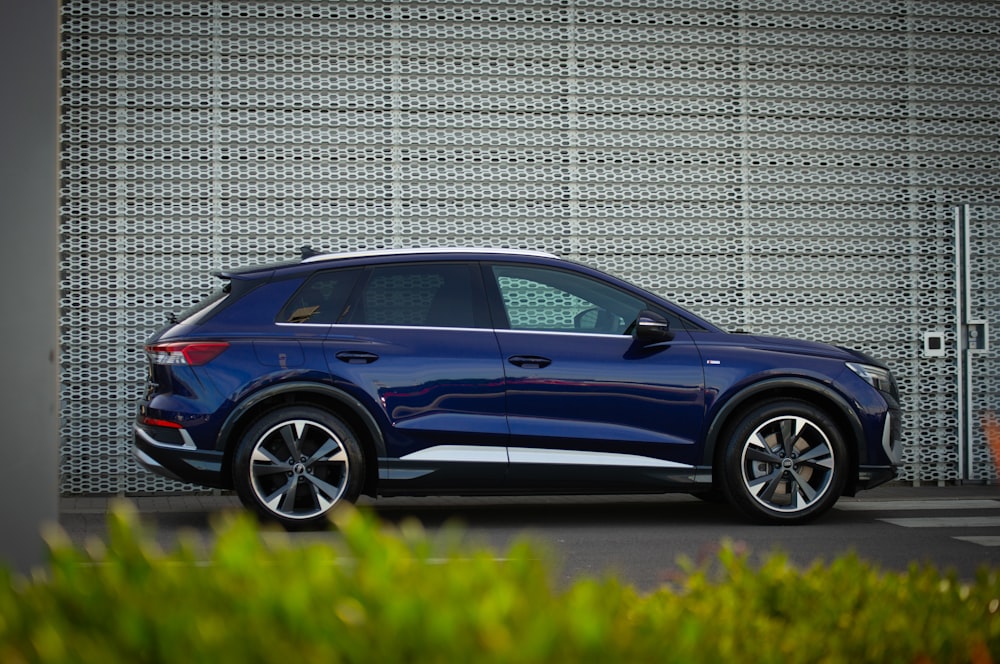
(181, 462)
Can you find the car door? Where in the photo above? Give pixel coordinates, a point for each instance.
(588, 406)
(416, 344)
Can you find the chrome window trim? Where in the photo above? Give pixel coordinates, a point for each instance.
(369, 326)
(287, 324)
(564, 332)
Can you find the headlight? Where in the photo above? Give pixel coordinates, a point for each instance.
(877, 377)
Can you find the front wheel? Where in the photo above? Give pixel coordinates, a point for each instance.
(294, 465)
(785, 462)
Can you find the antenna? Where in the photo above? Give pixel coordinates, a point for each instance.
(308, 252)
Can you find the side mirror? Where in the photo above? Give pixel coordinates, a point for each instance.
(652, 328)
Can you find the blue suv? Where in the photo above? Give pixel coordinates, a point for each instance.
(486, 371)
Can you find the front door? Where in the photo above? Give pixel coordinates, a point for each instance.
(589, 408)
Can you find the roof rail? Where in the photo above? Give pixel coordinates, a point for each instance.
(317, 256)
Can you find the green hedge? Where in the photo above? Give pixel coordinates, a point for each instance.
(397, 595)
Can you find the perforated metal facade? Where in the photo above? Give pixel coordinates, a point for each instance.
(980, 370)
(782, 167)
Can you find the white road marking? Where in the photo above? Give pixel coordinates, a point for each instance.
(894, 505)
(952, 521)
(947, 522)
(984, 540)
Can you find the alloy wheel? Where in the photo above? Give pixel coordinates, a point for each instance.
(299, 469)
(788, 464)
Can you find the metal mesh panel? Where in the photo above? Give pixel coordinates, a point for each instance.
(779, 167)
(984, 368)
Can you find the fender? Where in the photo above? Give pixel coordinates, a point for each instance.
(326, 391)
(791, 387)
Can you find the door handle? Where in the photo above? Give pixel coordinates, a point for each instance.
(356, 357)
(529, 361)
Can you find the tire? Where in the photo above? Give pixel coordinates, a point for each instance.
(784, 462)
(296, 464)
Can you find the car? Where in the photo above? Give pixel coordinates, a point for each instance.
(305, 384)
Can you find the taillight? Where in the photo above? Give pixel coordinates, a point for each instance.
(192, 354)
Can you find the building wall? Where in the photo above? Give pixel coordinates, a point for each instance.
(778, 167)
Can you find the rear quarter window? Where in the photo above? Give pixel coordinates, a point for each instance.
(199, 312)
(322, 298)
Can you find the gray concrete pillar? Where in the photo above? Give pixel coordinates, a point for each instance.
(29, 284)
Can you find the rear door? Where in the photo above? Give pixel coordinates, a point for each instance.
(416, 344)
(588, 408)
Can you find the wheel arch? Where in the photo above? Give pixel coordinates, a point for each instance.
(334, 400)
(803, 389)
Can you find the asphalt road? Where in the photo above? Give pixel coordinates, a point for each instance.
(641, 538)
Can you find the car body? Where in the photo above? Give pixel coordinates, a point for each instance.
(489, 371)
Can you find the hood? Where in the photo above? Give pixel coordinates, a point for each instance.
(803, 347)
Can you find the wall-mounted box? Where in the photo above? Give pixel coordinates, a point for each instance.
(977, 336)
(934, 344)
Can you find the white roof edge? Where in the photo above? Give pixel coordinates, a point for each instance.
(428, 250)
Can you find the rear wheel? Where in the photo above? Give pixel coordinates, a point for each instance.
(295, 464)
(785, 462)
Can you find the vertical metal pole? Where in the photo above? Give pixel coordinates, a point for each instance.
(964, 383)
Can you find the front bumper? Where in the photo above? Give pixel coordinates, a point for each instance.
(870, 477)
(181, 462)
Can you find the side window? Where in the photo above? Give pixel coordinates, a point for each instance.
(559, 301)
(422, 295)
(321, 299)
